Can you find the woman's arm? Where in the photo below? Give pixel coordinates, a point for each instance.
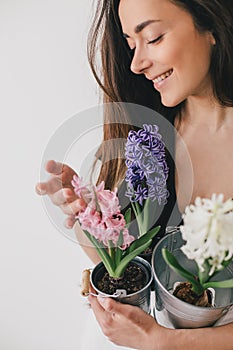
(130, 326)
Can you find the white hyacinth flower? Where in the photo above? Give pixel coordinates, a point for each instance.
(208, 231)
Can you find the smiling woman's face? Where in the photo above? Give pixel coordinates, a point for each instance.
(168, 49)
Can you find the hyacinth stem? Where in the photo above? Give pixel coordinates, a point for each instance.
(137, 215)
(203, 274)
(197, 288)
(142, 219)
(111, 252)
(144, 215)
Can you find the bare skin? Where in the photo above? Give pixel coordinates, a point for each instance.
(129, 326)
(206, 128)
(207, 133)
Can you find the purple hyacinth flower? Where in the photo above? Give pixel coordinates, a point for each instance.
(147, 169)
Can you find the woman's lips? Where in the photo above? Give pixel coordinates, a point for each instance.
(162, 76)
(160, 79)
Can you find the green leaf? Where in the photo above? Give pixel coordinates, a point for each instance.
(101, 250)
(204, 275)
(126, 260)
(137, 208)
(127, 216)
(111, 252)
(138, 215)
(143, 239)
(118, 251)
(174, 264)
(120, 239)
(118, 255)
(136, 248)
(219, 284)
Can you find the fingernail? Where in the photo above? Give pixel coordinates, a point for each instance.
(66, 193)
(68, 225)
(40, 190)
(78, 206)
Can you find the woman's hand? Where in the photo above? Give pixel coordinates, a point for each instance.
(59, 189)
(126, 325)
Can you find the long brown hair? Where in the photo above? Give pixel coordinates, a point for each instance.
(119, 84)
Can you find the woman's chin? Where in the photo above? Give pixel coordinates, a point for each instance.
(168, 101)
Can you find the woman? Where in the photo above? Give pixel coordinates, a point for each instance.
(174, 57)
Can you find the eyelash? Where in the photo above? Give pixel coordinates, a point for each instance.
(155, 40)
(150, 42)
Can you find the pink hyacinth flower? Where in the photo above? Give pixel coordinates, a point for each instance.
(80, 190)
(102, 217)
(107, 200)
(117, 222)
(89, 219)
(127, 239)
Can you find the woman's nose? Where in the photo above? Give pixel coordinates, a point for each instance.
(140, 62)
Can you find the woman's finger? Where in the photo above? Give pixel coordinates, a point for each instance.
(95, 305)
(70, 221)
(74, 207)
(50, 187)
(41, 188)
(53, 167)
(63, 196)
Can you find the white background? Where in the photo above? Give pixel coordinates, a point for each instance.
(44, 80)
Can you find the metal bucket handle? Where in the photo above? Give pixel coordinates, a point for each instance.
(85, 287)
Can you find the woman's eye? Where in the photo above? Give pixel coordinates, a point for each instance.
(155, 40)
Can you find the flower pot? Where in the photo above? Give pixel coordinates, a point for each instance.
(174, 312)
(140, 298)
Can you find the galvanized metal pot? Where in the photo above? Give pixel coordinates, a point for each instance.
(140, 298)
(174, 311)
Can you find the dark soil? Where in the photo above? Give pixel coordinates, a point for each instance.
(184, 292)
(133, 280)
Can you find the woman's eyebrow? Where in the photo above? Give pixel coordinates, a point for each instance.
(141, 26)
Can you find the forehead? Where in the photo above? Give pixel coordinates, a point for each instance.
(133, 12)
